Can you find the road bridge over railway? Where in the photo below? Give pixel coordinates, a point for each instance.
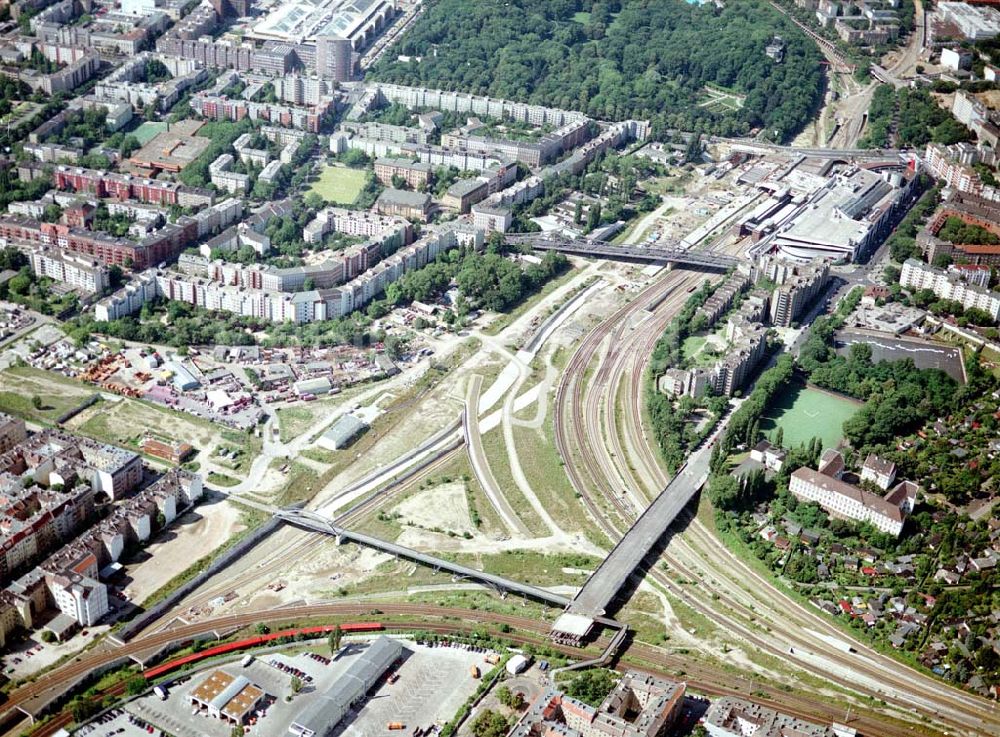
(604, 585)
(650, 254)
(858, 155)
(309, 520)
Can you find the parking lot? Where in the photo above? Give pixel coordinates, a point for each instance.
(433, 683)
(427, 687)
(119, 723)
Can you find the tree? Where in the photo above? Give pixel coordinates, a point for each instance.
(135, 685)
(336, 635)
(36, 402)
(592, 686)
(48, 636)
(779, 436)
(489, 724)
(594, 217)
(296, 684)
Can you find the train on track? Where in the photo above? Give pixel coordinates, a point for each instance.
(257, 641)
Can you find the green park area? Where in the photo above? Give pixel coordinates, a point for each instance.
(804, 412)
(340, 185)
(148, 130)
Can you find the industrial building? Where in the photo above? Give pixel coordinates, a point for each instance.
(227, 697)
(342, 433)
(321, 717)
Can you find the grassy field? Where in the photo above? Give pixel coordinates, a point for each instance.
(302, 484)
(339, 184)
(496, 456)
(806, 412)
(148, 130)
(293, 421)
(56, 394)
(544, 471)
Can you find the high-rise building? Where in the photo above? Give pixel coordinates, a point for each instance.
(334, 58)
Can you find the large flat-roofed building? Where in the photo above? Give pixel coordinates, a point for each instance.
(357, 21)
(409, 205)
(322, 715)
(841, 499)
(976, 22)
(227, 697)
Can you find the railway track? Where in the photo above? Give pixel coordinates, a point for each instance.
(597, 474)
(701, 678)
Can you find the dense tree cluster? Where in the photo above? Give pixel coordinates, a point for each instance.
(909, 117)
(592, 686)
(902, 243)
(615, 59)
(957, 230)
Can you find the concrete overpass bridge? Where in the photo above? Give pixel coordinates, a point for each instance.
(309, 520)
(651, 254)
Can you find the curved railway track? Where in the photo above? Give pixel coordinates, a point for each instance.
(595, 459)
(703, 678)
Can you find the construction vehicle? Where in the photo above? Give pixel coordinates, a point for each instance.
(474, 671)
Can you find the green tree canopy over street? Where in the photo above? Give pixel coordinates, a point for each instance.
(646, 59)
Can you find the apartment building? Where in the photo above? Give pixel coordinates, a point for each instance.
(12, 432)
(639, 706)
(389, 133)
(125, 186)
(826, 487)
(264, 303)
(917, 275)
(300, 90)
(461, 102)
(222, 175)
(308, 119)
(415, 173)
(879, 471)
(798, 286)
(533, 153)
(162, 245)
(731, 717)
(33, 520)
(954, 164)
(79, 272)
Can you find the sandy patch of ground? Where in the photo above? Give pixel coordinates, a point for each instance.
(444, 506)
(191, 537)
(428, 541)
(990, 98)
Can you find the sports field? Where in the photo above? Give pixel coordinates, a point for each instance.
(148, 130)
(804, 412)
(339, 184)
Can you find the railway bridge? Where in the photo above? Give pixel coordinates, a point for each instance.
(644, 254)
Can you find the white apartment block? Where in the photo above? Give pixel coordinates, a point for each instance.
(918, 275)
(281, 306)
(77, 271)
(81, 598)
(222, 176)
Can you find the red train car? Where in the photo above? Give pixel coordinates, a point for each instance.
(258, 641)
